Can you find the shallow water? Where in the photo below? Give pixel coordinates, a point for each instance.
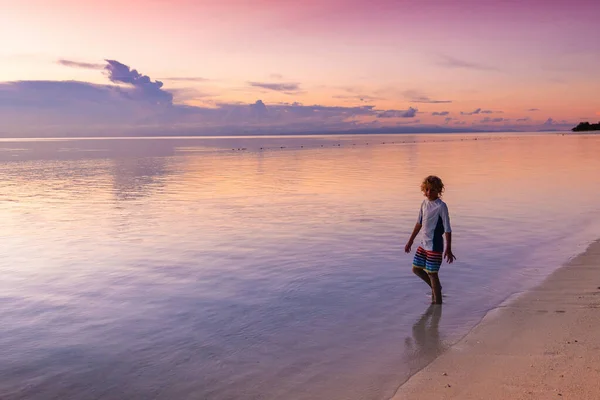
(266, 267)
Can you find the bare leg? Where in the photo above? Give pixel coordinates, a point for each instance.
(436, 288)
(422, 274)
(425, 276)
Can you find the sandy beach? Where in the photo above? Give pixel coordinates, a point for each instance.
(541, 345)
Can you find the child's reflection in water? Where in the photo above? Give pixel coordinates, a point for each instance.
(426, 335)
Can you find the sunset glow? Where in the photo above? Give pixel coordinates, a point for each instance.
(287, 66)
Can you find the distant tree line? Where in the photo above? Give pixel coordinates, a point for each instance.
(586, 126)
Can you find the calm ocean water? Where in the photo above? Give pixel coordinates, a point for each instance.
(266, 267)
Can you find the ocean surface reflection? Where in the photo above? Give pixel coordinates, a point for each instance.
(266, 267)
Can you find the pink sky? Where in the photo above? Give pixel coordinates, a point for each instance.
(502, 58)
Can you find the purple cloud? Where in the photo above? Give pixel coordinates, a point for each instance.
(410, 113)
(417, 97)
(553, 122)
(440, 113)
(89, 107)
(526, 119)
(492, 120)
(302, 111)
(54, 94)
(62, 104)
(278, 87)
(77, 64)
(476, 111)
(136, 103)
(145, 87)
(358, 97)
(259, 109)
(121, 73)
(357, 93)
(533, 109)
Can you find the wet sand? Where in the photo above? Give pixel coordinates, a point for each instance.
(541, 345)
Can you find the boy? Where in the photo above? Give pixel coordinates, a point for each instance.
(435, 221)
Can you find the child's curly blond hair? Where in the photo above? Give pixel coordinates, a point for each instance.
(432, 182)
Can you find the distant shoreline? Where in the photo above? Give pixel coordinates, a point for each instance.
(167, 135)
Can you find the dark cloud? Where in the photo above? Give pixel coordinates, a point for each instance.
(410, 113)
(416, 97)
(447, 120)
(476, 111)
(440, 113)
(487, 112)
(533, 109)
(77, 64)
(145, 87)
(451, 62)
(526, 119)
(278, 87)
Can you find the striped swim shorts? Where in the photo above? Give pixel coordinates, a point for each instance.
(430, 261)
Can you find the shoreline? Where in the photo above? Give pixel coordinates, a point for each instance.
(539, 344)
